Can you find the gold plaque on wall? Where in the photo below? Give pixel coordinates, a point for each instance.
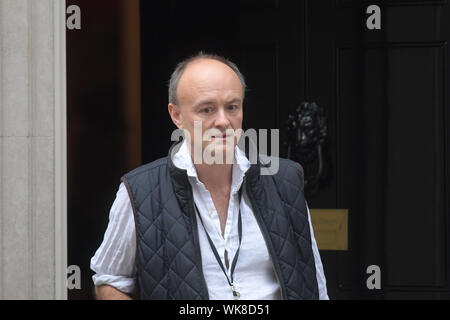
(330, 228)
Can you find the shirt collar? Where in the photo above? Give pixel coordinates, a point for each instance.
(183, 160)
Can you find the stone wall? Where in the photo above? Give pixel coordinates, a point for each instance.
(32, 149)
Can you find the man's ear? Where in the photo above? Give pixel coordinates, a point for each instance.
(175, 114)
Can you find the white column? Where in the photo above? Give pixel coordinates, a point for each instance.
(32, 150)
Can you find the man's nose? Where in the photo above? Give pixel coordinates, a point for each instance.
(221, 120)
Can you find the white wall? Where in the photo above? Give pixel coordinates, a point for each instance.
(32, 149)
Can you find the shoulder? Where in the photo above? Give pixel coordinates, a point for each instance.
(283, 170)
(143, 180)
(280, 167)
(290, 166)
(146, 168)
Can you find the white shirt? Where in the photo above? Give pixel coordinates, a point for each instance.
(254, 276)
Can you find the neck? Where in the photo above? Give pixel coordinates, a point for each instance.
(216, 177)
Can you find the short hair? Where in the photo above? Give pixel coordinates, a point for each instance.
(181, 67)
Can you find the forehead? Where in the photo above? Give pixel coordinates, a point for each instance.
(207, 78)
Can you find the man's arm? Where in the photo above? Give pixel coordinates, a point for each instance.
(320, 275)
(106, 292)
(114, 261)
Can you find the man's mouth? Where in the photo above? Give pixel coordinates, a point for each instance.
(221, 136)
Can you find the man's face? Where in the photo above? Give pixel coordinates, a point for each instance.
(209, 94)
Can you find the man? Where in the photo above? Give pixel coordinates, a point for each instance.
(181, 228)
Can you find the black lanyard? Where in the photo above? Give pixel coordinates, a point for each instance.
(216, 254)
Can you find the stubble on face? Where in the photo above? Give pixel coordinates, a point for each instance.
(210, 93)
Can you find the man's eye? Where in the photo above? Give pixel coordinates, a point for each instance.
(206, 110)
(232, 107)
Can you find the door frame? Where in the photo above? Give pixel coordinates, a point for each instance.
(60, 121)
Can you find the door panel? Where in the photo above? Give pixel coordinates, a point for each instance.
(391, 133)
(386, 100)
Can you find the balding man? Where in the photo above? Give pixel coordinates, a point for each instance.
(185, 227)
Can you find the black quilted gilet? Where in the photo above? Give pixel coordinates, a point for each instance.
(168, 257)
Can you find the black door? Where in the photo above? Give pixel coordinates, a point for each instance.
(385, 97)
(263, 37)
(387, 93)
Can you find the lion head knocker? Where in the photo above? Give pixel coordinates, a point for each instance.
(307, 132)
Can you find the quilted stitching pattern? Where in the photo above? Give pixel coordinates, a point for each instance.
(290, 192)
(287, 223)
(168, 258)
